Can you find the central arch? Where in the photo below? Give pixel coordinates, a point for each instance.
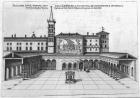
(69, 66)
(64, 66)
(53, 64)
(81, 65)
(74, 66)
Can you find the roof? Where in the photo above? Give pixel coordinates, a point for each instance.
(118, 55)
(115, 55)
(69, 35)
(102, 32)
(91, 36)
(20, 55)
(51, 15)
(25, 39)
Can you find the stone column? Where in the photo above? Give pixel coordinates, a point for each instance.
(20, 68)
(7, 74)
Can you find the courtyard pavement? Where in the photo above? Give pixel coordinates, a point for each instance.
(52, 84)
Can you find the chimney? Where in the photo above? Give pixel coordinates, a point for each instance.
(14, 35)
(25, 35)
(87, 33)
(93, 33)
(12, 54)
(127, 55)
(44, 35)
(40, 35)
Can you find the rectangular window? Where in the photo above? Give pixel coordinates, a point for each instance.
(26, 48)
(10, 43)
(90, 49)
(50, 26)
(7, 48)
(50, 30)
(51, 35)
(26, 43)
(7, 43)
(30, 43)
(30, 48)
(41, 43)
(20, 48)
(38, 48)
(50, 39)
(41, 48)
(90, 40)
(38, 43)
(95, 49)
(10, 48)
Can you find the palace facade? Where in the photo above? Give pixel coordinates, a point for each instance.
(65, 51)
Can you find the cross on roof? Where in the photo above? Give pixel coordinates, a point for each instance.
(103, 28)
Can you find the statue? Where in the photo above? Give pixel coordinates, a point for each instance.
(70, 77)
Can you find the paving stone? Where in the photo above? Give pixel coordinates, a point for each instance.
(51, 83)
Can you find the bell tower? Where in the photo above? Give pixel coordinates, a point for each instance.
(104, 40)
(51, 33)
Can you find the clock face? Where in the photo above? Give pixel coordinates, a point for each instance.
(69, 45)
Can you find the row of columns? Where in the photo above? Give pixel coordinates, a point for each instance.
(30, 67)
(12, 71)
(70, 66)
(48, 64)
(116, 71)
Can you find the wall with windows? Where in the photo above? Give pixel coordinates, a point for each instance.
(92, 45)
(25, 46)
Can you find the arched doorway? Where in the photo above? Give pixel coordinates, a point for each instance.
(64, 66)
(81, 65)
(74, 66)
(95, 64)
(53, 65)
(69, 66)
(85, 64)
(90, 64)
(48, 64)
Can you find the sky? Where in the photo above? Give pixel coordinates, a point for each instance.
(120, 22)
